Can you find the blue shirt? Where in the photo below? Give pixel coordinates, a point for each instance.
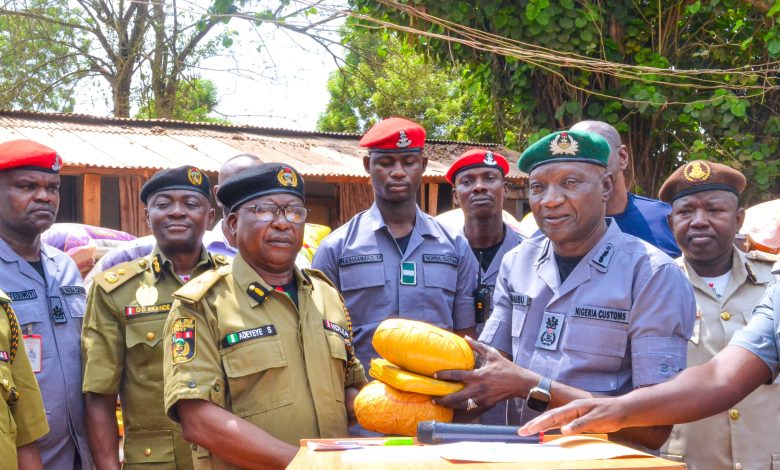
(364, 262)
(646, 219)
(52, 308)
(620, 320)
(762, 333)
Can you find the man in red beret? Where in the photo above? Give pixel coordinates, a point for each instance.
(48, 296)
(478, 187)
(394, 260)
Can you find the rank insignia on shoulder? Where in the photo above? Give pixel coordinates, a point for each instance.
(183, 344)
(157, 265)
(257, 292)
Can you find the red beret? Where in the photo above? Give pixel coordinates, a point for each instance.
(28, 155)
(394, 135)
(476, 158)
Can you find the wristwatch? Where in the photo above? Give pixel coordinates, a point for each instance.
(539, 396)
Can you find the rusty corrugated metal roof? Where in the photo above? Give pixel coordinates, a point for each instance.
(118, 143)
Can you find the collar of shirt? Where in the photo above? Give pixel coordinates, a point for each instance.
(738, 272)
(166, 264)
(216, 242)
(244, 275)
(423, 222)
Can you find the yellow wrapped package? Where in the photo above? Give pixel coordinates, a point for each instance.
(422, 348)
(382, 408)
(407, 381)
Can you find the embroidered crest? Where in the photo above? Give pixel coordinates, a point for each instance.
(697, 171)
(183, 344)
(195, 176)
(564, 144)
(403, 141)
(286, 177)
(550, 331)
(489, 159)
(146, 295)
(57, 164)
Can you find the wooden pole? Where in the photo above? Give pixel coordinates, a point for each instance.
(91, 199)
(433, 198)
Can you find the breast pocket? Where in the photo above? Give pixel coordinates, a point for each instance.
(143, 338)
(257, 374)
(519, 315)
(338, 354)
(596, 350)
(149, 447)
(363, 285)
(441, 281)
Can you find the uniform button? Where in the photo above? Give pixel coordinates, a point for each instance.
(148, 452)
(142, 263)
(738, 466)
(734, 414)
(150, 336)
(5, 383)
(726, 316)
(191, 384)
(121, 271)
(216, 387)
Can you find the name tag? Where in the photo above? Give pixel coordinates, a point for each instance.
(441, 259)
(520, 299)
(336, 328)
(245, 335)
(359, 259)
(73, 290)
(602, 313)
(32, 345)
(550, 331)
(131, 310)
(22, 295)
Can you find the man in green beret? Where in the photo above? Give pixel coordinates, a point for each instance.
(259, 355)
(583, 309)
(122, 346)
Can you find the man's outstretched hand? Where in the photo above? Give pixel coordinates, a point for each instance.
(592, 415)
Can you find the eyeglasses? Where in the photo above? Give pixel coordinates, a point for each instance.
(269, 212)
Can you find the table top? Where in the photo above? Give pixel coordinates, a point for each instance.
(307, 459)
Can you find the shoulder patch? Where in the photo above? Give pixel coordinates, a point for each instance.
(194, 290)
(119, 274)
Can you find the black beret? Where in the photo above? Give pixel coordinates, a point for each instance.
(260, 180)
(184, 177)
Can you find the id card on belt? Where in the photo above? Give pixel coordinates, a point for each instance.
(32, 344)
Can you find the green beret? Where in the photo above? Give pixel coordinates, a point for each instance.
(260, 180)
(183, 177)
(565, 146)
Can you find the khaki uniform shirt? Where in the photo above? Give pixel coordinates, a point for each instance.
(234, 341)
(123, 352)
(22, 419)
(745, 437)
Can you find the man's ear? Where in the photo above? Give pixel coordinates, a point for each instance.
(607, 186)
(623, 158)
(455, 199)
(740, 217)
(424, 163)
(669, 221)
(232, 222)
(367, 164)
(148, 220)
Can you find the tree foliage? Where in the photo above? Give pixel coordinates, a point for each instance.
(666, 119)
(195, 101)
(385, 76)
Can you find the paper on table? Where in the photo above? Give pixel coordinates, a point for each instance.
(392, 454)
(565, 448)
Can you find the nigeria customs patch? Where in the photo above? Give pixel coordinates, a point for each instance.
(183, 344)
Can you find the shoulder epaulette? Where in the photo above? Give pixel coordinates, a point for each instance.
(121, 273)
(193, 291)
(762, 256)
(319, 275)
(4, 297)
(221, 260)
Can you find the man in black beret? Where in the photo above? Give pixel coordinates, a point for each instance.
(123, 326)
(259, 354)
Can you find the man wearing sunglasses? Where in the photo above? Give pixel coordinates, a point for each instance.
(259, 354)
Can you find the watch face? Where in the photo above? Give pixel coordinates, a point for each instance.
(538, 400)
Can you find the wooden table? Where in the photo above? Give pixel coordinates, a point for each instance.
(307, 459)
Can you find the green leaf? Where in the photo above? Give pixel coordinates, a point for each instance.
(738, 108)
(775, 9)
(572, 107)
(694, 7)
(567, 4)
(580, 22)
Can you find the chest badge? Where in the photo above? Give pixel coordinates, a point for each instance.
(146, 295)
(550, 331)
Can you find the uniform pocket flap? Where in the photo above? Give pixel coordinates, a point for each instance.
(443, 276)
(337, 348)
(149, 447)
(597, 337)
(359, 276)
(253, 357)
(148, 332)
